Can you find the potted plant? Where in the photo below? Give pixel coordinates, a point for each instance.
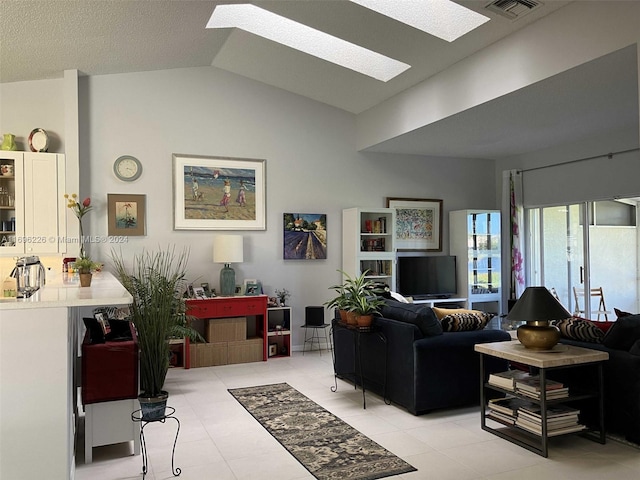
(357, 297)
(339, 302)
(364, 307)
(85, 267)
(156, 281)
(282, 295)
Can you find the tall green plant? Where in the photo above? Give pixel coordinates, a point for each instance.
(156, 281)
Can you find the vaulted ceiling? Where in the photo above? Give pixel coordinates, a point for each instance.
(40, 39)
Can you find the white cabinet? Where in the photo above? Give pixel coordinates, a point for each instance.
(368, 243)
(37, 212)
(474, 238)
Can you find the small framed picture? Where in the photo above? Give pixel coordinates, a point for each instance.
(198, 292)
(246, 283)
(252, 289)
(238, 289)
(205, 287)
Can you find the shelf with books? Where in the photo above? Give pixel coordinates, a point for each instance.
(536, 407)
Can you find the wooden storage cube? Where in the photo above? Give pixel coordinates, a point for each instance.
(208, 354)
(246, 351)
(226, 329)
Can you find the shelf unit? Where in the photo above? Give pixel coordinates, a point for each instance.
(279, 337)
(368, 243)
(35, 206)
(475, 240)
(573, 357)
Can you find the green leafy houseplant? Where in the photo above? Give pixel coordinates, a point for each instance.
(86, 265)
(357, 295)
(156, 281)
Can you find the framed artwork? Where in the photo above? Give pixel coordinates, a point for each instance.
(305, 236)
(126, 214)
(418, 224)
(218, 193)
(253, 289)
(246, 283)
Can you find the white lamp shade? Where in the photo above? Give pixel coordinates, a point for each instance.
(227, 249)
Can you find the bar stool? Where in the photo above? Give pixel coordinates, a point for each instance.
(313, 322)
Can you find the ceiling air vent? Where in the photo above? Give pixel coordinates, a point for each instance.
(513, 9)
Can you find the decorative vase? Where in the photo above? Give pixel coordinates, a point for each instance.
(85, 279)
(364, 320)
(153, 408)
(9, 142)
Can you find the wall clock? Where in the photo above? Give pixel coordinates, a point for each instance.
(127, 168)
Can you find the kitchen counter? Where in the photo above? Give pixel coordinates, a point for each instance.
(39, 339)
(64, 291)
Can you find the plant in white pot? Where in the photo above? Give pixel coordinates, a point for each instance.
(156, 281)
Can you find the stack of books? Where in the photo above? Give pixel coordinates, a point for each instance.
(505, 410)
(507, 380)
(560, 420)
(530, 387)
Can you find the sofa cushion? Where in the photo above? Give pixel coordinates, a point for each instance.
(621, 313)
(580, 329)
(624, 333)
(443, 312)
(419, 315)
(462, 322)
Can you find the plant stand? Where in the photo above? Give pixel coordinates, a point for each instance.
(136, 416)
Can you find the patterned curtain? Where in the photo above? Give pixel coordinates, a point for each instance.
(512, 191)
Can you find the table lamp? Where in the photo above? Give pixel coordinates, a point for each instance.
(538, 307)
(227, 249)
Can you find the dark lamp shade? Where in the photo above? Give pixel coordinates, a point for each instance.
(537, 304)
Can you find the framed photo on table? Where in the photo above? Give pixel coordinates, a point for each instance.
(218, 193)
(418, 225)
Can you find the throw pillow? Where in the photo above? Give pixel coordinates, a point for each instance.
(620, 313)
(461, 322)
(443, 312)
(580, 329)
(419, 315)
(623, 334)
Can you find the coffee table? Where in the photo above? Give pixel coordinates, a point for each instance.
(561, 357)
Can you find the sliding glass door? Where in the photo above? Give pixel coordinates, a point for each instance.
(587, 254)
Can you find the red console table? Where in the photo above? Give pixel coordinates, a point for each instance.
(224, 307)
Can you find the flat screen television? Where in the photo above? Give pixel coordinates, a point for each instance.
(427, 277)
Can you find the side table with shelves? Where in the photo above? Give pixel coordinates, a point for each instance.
(564, 357)
(279, 331)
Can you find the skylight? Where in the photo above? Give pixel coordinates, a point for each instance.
(441, 18)
(263, 23)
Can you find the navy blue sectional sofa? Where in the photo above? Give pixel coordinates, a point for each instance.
(621, 377)
(426, 368)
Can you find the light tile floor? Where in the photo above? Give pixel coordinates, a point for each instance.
(220, 440)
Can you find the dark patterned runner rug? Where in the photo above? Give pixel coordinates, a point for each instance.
(325, 445)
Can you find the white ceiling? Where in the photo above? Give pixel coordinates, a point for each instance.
(40, 39)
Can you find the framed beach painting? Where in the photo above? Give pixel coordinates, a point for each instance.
(418, 224)
(126, 214)
(218, 193)
(305, 236)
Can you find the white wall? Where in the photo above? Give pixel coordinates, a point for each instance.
(312, 166)
(573, 35)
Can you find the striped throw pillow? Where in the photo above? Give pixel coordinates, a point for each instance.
(461, 322)
(580, 329)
